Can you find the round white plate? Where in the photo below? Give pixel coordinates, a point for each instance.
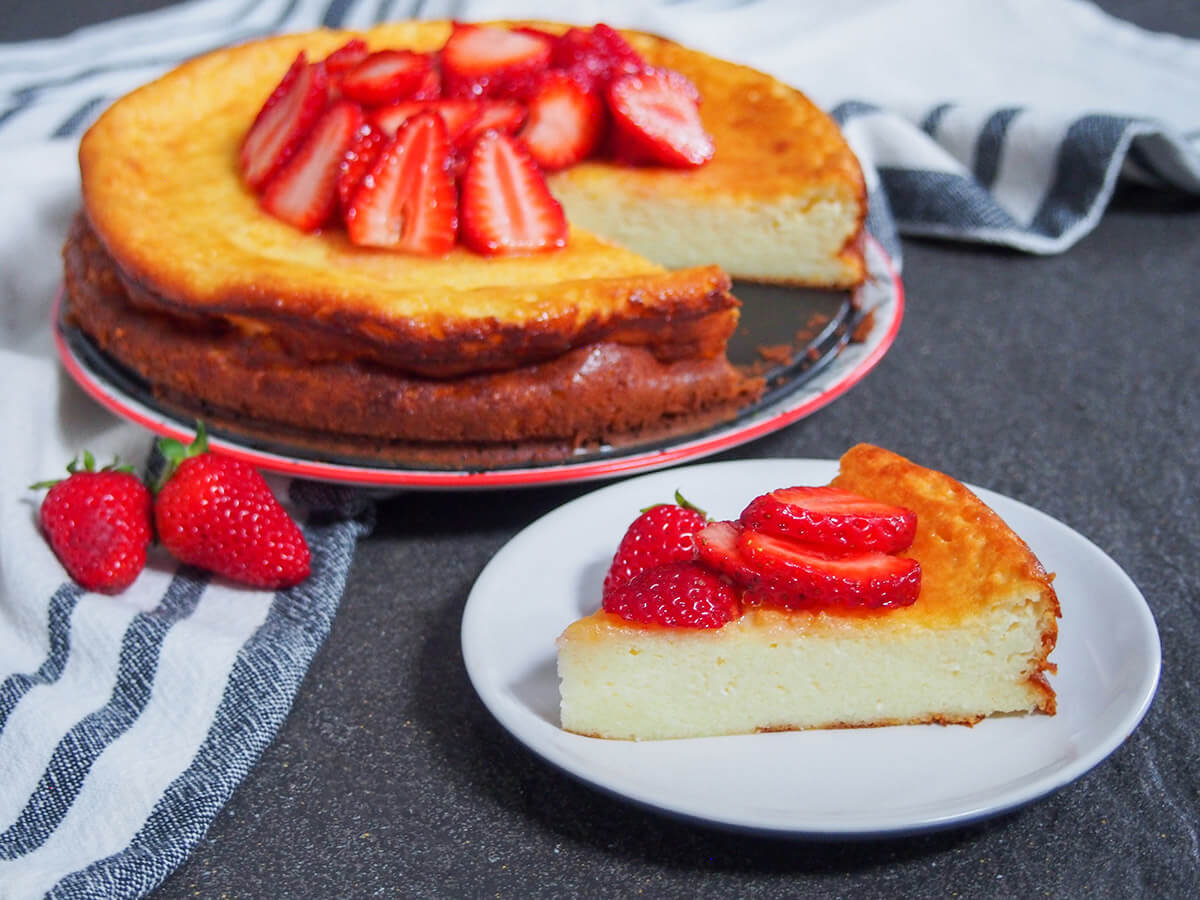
(880, 298)
(855, 782)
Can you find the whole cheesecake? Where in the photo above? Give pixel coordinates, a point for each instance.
(460, 356)
(975, 643)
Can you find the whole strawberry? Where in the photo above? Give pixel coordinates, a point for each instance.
(675, 595)
(98, 524)
(218, 513)
(661, 534)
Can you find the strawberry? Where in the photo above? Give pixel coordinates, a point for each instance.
(662, 534)
(565, 122)
(676, 594)
(357, 161)
(833, 519)
(814, 576)
(506, 116)
(717, 547)
(481, 61)
(98, 524)
(304, 192)
(430, 87)
(594, 56)
(506, 206)
(458, 115)
(345, 58)
(284, 120)
(217, 512)
(387, 76)
(407, 201)
(656, 119)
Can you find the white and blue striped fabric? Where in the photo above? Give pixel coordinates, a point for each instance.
(126, 722)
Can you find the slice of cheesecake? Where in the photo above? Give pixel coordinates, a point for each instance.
(974, 644)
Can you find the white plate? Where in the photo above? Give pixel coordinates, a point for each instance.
(831, 783)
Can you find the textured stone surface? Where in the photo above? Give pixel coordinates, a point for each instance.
(1071, 383)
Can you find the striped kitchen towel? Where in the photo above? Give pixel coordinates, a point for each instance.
(126, 722)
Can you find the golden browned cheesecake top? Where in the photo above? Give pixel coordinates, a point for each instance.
(161, 188)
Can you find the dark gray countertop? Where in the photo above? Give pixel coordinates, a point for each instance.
(1071, 383)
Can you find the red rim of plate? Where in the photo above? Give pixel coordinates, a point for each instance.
(367, 476)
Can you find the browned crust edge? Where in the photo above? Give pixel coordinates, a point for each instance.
(541, 412)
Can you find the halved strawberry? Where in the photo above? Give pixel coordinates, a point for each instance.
(663, 533)
(386, 76)
(407, 201)
(506, 206)
(813, 576)
(656, 119)
(833, 519)
(594, 56)
(565, 122)
(677, 595)
(358, 160)
(304, 192)
(346, 57)
(430, 87)
(458, 115)
(482, 60)
(283, 121)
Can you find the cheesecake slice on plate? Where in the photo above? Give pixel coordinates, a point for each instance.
(974, 641)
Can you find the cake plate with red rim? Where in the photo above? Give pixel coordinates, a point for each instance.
(837, 783)
(856, 332)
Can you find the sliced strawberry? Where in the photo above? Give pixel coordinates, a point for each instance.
(717, 547)
(565, 122)
(346, 57)
(656, 119)
(678, 595)
(458, 115)
(506, 206)
(430, 87)
(407, 201)
(304, 192)
(481, 60)
(833, 519)
(594, 56)
(358, 160)
(815, 577)
(386, 76)
(283, 121)
(506, 116)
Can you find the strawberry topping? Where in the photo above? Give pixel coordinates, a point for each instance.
(291, 110)
(832, 518)
(304, 192)
(386, 76)
(480, 60)
(506, 206)
(814, 576)
(661, 534)
(358, 160)
(565, 97)
(677, 594)
(407, 200)
(346, 57)
(565, 122)
(656, 119)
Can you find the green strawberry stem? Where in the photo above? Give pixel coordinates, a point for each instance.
(680, 500)
(175, 452)
(89, 465)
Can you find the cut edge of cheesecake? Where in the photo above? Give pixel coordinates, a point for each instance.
(975, 644)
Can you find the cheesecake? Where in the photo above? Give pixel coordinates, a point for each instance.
(179, 274)
(974, 643)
